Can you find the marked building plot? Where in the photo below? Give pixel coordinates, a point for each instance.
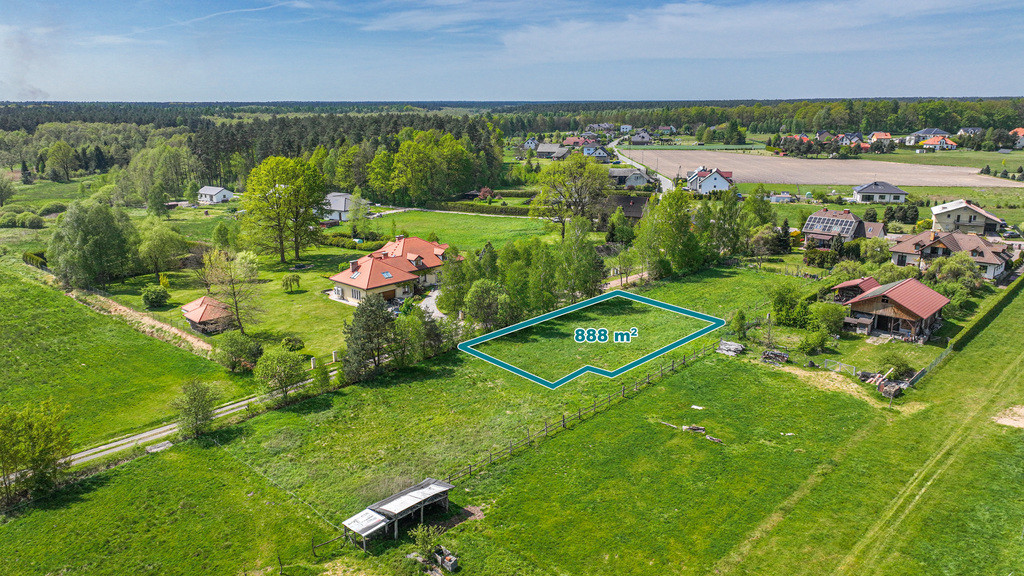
(607, 335)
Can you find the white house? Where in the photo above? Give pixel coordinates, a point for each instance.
(629, 177)
(214, 195)
(919, 250)
(922, 135)
(625, 129)
(879, 192)
(705, 180)
(939, 143)
(597, 152)
(964, 216)
(530, 144)
(337, 207)
(783, 198)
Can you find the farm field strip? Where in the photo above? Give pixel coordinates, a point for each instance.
(770, 169)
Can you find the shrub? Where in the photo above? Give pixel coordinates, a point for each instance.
(898, 362)
(53, 208)
(36, 259)
(8, 220)
(292, 343)
(29, 220)
(828, 317)
(813, 343)
(238, 352)
(155, 296)
(165, 280)
(14, 209)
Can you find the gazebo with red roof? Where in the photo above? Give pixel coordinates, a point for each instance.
(207, 315)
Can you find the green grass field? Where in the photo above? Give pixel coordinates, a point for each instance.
(969, 158)
(113, 378)
(549, 349)
(619, 487)
(191, 510)
(461, 230)
(624, 493)
(44, 191)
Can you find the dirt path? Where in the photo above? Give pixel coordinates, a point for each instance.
(108, 306)
(618, 283)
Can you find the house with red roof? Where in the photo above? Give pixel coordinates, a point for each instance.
(939, 143)
(705, 180)
(883, 136)
(578, 141)
(394, 271)
(207, 315)
(1018, 132)
(906, 308)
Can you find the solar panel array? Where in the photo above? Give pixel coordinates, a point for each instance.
(840, 226)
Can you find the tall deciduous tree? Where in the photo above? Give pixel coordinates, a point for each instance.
(282, 204)
(279, 371)
(60, 159)
(6, 190)
(232, 282)
(160, 245)
(92, 245)
(581, 270)
(571, 188)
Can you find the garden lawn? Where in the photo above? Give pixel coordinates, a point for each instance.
(625, 493)
(189, 510)
(549, 349)
(970, 158)
(113, 378)
(460, 230)
(305, 312)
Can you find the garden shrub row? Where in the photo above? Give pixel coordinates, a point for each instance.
(349, 244)
(984, 317)
(37, 259)
(480, 208)
(22, 220)
(516, 193)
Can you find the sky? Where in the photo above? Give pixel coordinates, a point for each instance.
(487, 50)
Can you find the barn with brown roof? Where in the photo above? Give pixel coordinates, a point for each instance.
(905, 308)
(207, 315)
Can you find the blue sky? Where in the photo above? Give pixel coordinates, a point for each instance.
(156, 50)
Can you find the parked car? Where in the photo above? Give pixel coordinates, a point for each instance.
(1011, 233)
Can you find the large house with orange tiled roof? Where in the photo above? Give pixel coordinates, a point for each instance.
(394, 271)
(939, 143)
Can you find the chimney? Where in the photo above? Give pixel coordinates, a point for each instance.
(399, 238)
(846, 210)
(353, 265)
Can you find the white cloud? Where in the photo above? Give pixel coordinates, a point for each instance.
(701, 30)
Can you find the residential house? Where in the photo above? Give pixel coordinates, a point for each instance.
(906, 308)
(632, 206)
(667, 129)
(781, 198)
(394, 271)
(530, 144)
(964, 216)
(214, 195)
(880, 136)
(597, 152)
(971, 132)
(337, 207)
(800, 137)
(1019, 132)
(207, 315)
(919, 250)
(922, 135)
(879, 192)
(849, 138)
(705, 180)
(825, 225)
(589, 135)
(561, 154)
(850, 289)
(578, 141)
(547, 150)
(601, 127)
(641, 138)
(823, 136)
(939, 143)
(1020, 143)
(625, 128)
(629, 177)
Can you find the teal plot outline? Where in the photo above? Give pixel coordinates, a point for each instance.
(467, 346)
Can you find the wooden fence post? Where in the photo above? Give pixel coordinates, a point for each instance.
(563, 421)
(312, 363)
(623, 390)
(545, 426)
(334, 356)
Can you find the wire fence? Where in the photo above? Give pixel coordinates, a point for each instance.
(553, 425)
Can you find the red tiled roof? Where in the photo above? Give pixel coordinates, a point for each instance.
(205, 309)
(373, 271)
(866, 283)
(1017, 131)
(909, 294)
(988, 252)
(936, 140)
(881, 135)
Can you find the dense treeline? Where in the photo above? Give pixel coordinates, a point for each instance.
(895, 115)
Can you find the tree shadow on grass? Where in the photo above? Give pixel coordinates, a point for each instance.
(63, 497)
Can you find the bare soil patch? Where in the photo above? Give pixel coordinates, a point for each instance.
(832, 381)
(1012, 416)
(785, 170)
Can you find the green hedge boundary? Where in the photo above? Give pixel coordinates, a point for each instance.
(984, 317)
(479, 208)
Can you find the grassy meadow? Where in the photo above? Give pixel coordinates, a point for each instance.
(549, 349)
(461, 230)
(968, 158)
(113, 378)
